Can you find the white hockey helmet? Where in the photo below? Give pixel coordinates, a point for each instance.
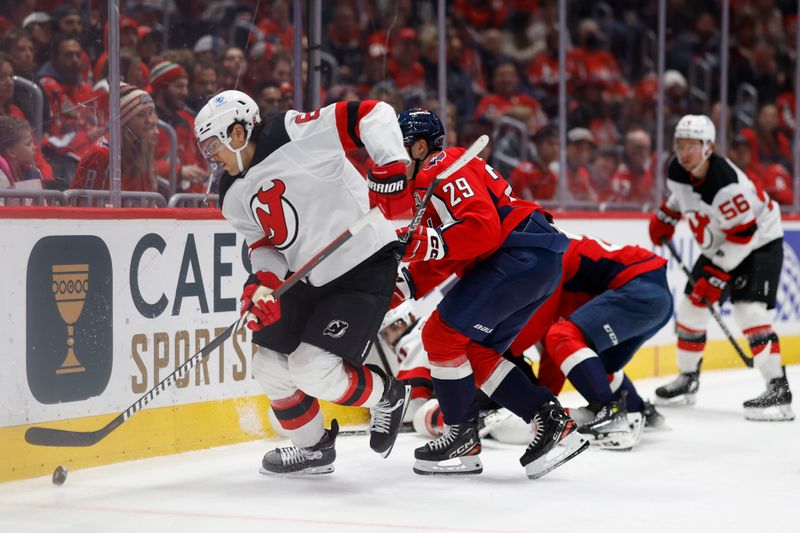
(403, 312)
(218, 115)
(698, 128)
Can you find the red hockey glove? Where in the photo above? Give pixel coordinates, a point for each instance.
(423, 244)
(257, 301)
(388, 189)
(709, 288)
(403, 289)
(662, 224)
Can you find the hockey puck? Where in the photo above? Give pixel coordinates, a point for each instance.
(59, 475)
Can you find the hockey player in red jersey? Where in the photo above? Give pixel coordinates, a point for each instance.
(738, 229)
(289, 189)
(508, 258)
(611, 299)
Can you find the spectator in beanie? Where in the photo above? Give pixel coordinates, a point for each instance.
(170, 84)
(138, 121)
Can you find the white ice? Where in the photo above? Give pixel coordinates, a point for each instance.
(712, 471)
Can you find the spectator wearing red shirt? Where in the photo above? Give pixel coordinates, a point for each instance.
(481, 14)
(633, 179)
(138, 122)
(768, 142)
(73, 126)
(202, 85)
(404, 66)
(588, 61)
(170, 84)
(508, 98)
(774, 179)
(535, 180)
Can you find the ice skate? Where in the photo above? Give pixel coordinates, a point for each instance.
(773, 405)
(652, 418)
(291, 460)
(611, 429)
(555, 441)
(680, 391)
(387, 415)
(455, 452)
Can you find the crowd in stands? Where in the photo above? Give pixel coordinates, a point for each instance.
(502, 71)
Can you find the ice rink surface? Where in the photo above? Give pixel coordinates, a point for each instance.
(710, 471)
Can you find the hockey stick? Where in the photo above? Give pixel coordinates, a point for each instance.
(41, 436)
(714, 313)
(476, 147)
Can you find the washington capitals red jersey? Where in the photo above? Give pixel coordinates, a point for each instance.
(475, 211)
(590, 267)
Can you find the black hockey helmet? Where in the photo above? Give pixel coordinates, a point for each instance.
(421, 123)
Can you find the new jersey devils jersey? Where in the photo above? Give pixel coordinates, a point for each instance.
(300, 191)
(474, 210)
(728, 215)
(590, 267)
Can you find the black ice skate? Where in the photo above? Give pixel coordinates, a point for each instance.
(555, 441)
(455, 452)
(652, 418)
(611, 428)
(773, 405)
(680, 391)
(387, 415)
(291, 460)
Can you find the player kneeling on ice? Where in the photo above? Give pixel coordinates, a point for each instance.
(402, 332)
(508, 258)
(611, 299)
(290, 190)
(738, 229)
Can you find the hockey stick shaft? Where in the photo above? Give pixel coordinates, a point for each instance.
(714, 313)
(41, 436)
(476, 148)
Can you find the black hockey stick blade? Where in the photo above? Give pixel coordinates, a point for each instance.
(748, 361)
(41, 436)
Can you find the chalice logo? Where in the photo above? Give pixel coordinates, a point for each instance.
(70, 286)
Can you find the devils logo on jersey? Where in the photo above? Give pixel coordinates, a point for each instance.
(276, 215)
(698, 223)
(336, 328)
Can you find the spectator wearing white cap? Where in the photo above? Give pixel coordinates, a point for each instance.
(208, 49)
(38, 25)
(580, 147)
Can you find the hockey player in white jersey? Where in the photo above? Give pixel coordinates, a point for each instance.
(290, 190)
(738, 229)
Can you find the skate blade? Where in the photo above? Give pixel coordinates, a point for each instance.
(312, 471)
(494, 419)
(636, 423)
(566, 449)
(677, 401)
(470, 464)
(402, 416)
(777, 413)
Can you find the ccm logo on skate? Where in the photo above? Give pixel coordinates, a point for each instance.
(336, 328)
(463, 448)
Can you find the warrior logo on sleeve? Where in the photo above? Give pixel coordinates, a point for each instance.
(276, 215)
